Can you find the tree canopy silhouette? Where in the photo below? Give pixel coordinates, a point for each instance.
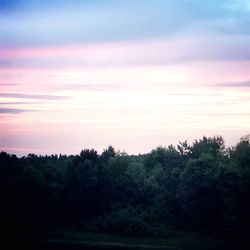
(203, 186)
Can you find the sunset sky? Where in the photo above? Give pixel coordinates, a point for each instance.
(134, 74)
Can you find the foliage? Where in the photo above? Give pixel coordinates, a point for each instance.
(201, 187)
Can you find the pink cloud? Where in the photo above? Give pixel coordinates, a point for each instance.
(149, 88)
(147, 52)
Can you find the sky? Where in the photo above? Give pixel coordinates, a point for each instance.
(134, 74)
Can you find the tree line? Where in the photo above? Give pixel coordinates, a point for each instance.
(201, 187)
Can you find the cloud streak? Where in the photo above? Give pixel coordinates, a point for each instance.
(234, 84)
(152, 52)
(33, 96)
(7, 84)
(12, 110)
(15, 103)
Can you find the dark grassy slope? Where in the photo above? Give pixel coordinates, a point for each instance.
(80, 240)
(202, 188)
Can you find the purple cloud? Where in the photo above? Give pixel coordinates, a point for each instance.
(33, 96)
(235, 84)
(12, 110)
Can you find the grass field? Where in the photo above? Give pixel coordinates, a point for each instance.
(69, 239)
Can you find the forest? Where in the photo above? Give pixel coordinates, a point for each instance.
(199, 187)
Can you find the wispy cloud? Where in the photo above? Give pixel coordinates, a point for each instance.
(193, 94)
(16, 103)
(7, 84)
(86, 87)
(176, 50)
(234, 84)
(33, 96)
(12, 110)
